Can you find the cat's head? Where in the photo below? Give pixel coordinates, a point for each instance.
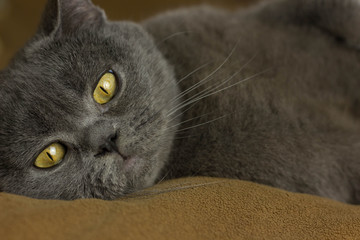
(84, 108)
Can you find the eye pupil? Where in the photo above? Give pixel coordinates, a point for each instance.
(49, 155)
(104, 90)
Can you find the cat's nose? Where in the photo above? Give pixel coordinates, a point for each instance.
(109, 145)
(101, 138)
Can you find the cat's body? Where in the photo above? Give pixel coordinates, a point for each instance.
(271, 95)
(295, 126)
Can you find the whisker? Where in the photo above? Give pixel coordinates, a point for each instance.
(171, 189)
(191, 73)
(237, 83)
(196, 97)
(192, 97)
(187, 136)
(201, 124)
(182, 79)
(208, 88)
(204, 80)
(178, 115)
(221, 90)
(186, 77)
(203, 115)
(171, 36)
(213, 87)
(179, 131)
(164, 177)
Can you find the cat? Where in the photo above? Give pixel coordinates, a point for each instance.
(92, 108)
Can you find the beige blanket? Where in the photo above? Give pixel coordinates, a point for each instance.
(189, 208)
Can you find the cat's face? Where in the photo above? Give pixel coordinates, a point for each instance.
(47, 100)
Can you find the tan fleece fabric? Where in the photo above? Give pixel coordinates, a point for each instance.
(188, 208)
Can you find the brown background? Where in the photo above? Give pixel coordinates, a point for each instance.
(19, 18)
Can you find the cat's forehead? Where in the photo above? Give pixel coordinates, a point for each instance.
(38, 80)
(35, 101)
(68, 63)
(71, 54)
(38, 96)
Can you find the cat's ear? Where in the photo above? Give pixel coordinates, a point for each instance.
(66, 16)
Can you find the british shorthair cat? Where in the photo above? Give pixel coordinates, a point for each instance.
(270, 94)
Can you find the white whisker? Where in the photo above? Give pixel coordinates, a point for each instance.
(212, 86)
(178, 115)
(218, 91)
(199, 95)
(146, 193)
(164, 177)
(204, 80)
(191, 73)
(201, 124)
(187, 136)
(188, 120)
(171, 36)
(232, 85)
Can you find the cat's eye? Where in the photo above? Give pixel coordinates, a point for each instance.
(50, 156)
(106, 88)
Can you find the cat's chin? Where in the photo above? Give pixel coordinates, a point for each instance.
(146, 175)
(133, 165)
(130, 164)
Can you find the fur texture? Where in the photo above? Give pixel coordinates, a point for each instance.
(268, 94)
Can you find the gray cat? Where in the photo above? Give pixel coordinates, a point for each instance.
(270, 94)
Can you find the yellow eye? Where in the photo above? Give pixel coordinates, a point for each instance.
(106, 88)
(51, 156)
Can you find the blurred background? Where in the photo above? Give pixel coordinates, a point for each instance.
(19, 18)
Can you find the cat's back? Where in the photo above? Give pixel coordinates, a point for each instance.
(272, 48)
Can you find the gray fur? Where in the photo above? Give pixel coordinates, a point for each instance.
(289, 116)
